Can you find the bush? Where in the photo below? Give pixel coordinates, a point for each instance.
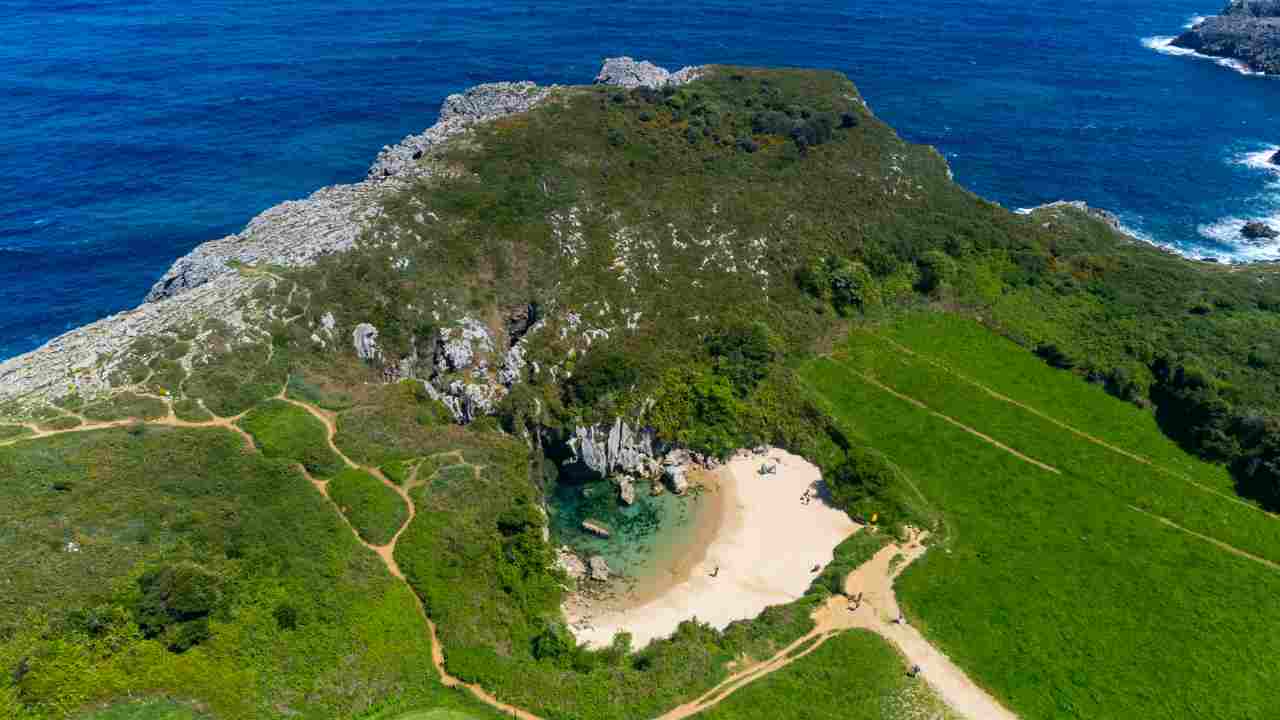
(285, 431)
(865, 483)
(175, 602)
(937, 270)
(743, 353)
(376, 511)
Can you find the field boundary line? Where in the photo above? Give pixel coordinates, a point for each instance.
(1213, 541)
(1075, 431)
(870, 380)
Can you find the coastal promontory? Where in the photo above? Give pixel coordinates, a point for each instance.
(1247, 31)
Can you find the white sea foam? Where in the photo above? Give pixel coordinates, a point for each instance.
(1195, 20)
(1260, 160)
(1226, 232)
(1164, 44)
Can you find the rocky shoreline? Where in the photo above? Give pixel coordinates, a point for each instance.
(211, 281)
(1247, 31)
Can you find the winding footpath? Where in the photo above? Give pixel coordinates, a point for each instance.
(874, 580)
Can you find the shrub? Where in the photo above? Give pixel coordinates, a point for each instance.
(285, 431)
(937, 270)
(743, 352)
(376, 511)
(865, 483)
(175, 602)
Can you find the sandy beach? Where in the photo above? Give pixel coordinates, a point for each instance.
(761, 551)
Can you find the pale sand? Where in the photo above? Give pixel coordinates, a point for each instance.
(766, 547)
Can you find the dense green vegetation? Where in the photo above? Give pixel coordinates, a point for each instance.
(172, 562)
(686, 251)
(376, 511)
(855, 675)
(1054, 580)
(283, 430)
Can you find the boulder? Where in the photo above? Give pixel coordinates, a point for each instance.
(597, 528)
(570, 563)
(677, 478)
(626, 490)
(1259, 231)
(1275, 159)
(365, 339)
(599, 568)
(630, 73)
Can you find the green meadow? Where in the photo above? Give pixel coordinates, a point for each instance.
(1050, 588)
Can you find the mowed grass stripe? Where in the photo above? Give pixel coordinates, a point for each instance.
(1129, 481)
(1154, 464)
(966, 347)
(1057, 598)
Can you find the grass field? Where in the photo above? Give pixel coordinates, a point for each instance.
(375, 510)
(287, 432)
(306, 622)
(854, 676)
(1050, 589)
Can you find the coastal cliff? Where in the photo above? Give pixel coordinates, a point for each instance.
(1247, 31)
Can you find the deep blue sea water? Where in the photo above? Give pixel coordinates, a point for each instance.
(132, 130)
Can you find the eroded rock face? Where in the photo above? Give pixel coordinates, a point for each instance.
(365, 340)
(630, 73)
(616, 448)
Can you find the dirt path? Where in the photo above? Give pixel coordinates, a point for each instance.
(870, 380)
(1073, 430)
(878, 609)
(874, 580)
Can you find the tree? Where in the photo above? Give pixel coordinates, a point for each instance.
(743, 352)
(937, 270)
(863, 477)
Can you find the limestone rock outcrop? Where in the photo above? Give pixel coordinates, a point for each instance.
(599, 568)
(630, 73)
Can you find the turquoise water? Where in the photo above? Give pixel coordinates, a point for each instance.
(647, 538)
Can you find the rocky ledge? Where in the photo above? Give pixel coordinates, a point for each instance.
(213, 281)
(1247, 31)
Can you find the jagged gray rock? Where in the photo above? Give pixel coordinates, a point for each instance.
(1247, 31)
(630, 73)
(626, 490)
(365, 340)
(1259, 231)
(479, 104)
(618, 447)
(83, 360)
(570, 563)
(297, 232)
(599, 568)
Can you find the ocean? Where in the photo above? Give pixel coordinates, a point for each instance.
(134, 130)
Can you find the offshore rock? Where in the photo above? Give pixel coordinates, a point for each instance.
(1259, 231)
(1275, 159)
(1247, 31)
(630, 73)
